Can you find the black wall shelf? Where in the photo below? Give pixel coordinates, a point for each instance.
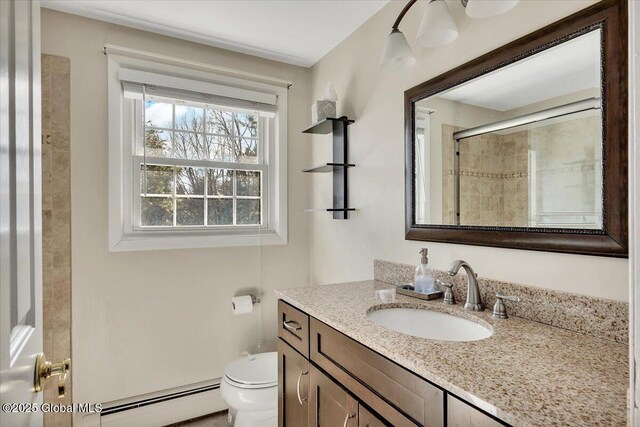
(339, 166)
(326, 126)
(328, 167)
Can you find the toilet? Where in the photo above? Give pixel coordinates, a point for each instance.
(250, 388)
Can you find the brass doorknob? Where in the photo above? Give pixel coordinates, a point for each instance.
(45, 370)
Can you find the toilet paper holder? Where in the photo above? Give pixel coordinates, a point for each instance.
(254, 300)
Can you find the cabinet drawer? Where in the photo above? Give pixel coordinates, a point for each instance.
(293, 327)
(402, 398)
(459, 414)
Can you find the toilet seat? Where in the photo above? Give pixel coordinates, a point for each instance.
(254, 371)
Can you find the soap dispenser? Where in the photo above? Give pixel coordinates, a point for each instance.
(424, 281)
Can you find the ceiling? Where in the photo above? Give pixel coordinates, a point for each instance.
(568, 68)
(298, 32)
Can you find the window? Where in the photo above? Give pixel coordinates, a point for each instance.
(199, 166)
(199, 163)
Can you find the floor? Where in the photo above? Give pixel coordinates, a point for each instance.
(218, 419)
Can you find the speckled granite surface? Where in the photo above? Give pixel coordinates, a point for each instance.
(594, 316)
(526, 373)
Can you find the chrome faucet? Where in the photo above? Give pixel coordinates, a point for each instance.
(474, 300)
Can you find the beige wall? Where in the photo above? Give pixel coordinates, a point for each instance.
(147, 321)
(344, 250)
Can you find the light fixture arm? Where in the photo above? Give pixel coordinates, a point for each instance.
(404, 11)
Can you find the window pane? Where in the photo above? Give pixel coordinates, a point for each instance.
(248, 150)
(189, 118)
(247, 125)
(220, 148)
(220, 122)
(159, 179)
(248, 211)
(248, 183)
(158, 142)
(220, 182)
(220, 212)
(190, 181)
(158, 114)
(156, 211)
(189, 211)
(189, 146)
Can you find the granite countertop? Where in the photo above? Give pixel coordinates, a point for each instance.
(526, 373)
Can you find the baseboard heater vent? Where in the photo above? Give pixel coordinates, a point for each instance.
(157, 399)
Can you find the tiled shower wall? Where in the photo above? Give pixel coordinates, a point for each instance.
(56, 225)
(493, 179)
(494, 175)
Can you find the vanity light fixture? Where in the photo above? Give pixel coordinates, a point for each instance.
(487, 8)
(437, 28)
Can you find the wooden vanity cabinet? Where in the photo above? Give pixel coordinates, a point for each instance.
(367, 419)
(327, 379)
(329, 404)
(293, 387)
(293, 327)
(459, 414)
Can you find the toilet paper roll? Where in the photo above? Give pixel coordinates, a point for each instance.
(242, 304)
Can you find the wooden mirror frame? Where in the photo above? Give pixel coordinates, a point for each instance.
(611, 17)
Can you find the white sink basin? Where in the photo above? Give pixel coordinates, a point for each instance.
(429, 324)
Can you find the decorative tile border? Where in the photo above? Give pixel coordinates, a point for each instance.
(598, 317)
(491, 175)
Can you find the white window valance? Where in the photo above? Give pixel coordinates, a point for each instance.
(136, 83)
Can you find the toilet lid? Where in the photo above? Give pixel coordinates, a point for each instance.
(257, 369)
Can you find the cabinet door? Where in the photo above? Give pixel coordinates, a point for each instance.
(367, 419)
(293, 387)
(330, 405)
(459, 414)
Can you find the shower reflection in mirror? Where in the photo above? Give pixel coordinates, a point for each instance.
(518, 147)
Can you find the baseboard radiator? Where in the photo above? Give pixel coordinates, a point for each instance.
(162, 408)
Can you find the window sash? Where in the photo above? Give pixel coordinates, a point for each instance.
(141, 128)
(136, 212)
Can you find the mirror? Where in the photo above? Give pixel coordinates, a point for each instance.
(520, 147)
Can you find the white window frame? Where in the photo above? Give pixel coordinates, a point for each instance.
(125, 234)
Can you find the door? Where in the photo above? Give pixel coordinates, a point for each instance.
(459, 414)
(329, 404)
(367, 419)
(20, 212)
(293, 383)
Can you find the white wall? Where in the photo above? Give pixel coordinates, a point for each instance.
(344, 250)
(147, 321)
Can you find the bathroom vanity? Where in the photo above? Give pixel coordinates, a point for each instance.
(337, 367)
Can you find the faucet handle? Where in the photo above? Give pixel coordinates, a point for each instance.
(499, 309)
(448, 293)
